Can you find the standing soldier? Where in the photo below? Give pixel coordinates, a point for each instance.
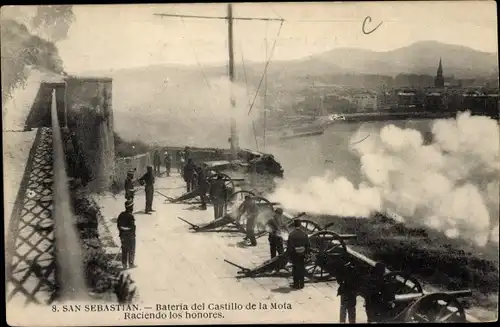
(180, 161)
(126, 229)
(348, 291)
(148, 179)
(157, 162)
(203, 186)
(218, 193)
(188, 174)
(298, 247)
(129, 186)
(168, 163)
(187, 153)
(249, 207)
(378, 296)
(275, 238)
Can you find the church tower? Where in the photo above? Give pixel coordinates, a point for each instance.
(439, 80)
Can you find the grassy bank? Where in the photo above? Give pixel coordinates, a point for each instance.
(125, 149)
(100, 270)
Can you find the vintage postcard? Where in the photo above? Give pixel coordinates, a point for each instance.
(256, 163)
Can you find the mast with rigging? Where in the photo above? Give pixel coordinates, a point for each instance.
(233, 129)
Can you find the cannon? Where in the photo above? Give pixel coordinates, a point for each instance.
(411, 304)
(328, 251)
(228, 182)
(229, 222)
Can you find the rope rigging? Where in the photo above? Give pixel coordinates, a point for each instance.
(196, 57)
(248, 95)
(265, 67)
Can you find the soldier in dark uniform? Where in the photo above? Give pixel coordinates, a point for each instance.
(298, 247)
(203, 186)
(275, 239)
(148, 179)
(129, 186)
(188, 174)
(348, 291)
(378, 298)
(168, 163)
(156, 162)
(126, 229)
(187, 153)
(249, 207)
(218, 193)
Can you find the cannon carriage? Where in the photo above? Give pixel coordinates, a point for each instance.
(228, 182)
(328, 251)
(411, 304)
(229, 222)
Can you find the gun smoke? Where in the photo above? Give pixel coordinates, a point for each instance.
(450, 185)
(183, 111)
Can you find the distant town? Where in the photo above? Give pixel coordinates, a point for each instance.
(405, 93)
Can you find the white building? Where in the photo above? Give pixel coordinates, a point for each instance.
(365, 102)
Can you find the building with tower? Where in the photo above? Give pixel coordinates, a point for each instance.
(439, 80)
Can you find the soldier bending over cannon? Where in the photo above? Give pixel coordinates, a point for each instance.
(298, 248)
(275, 225)
(126, 229)
(250, 208)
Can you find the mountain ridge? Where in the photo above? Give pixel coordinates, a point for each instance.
(421, 57)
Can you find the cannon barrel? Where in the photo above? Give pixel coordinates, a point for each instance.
(405, 298)
(348, 236)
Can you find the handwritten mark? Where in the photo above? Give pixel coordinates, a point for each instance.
(369, 20)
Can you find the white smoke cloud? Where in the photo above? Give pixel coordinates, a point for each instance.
(451, 185)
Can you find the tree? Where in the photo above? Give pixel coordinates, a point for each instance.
(53, 22)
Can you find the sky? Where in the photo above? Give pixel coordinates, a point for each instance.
(124, 36)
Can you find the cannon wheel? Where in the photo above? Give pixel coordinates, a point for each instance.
(308, 226)
(402, 283)
(436, 307)
(324, 244)
(228, 183)
(239, 196)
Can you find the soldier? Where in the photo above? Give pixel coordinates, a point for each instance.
(180, 161)
(168, 163)
(218, 193)
(348, 291)
(188, 174)
(378, 296)
(250, 208)
(203, 187)
(275, 239)
(126, 229)
(129, 186)
(187, 153)
(148, 179)
(156, 162)
(298, 247)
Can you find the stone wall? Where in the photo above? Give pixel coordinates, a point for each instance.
(89, 115)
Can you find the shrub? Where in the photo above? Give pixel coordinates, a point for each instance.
(129, 148)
